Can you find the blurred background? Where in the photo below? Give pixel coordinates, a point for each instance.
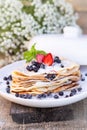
(81, 7)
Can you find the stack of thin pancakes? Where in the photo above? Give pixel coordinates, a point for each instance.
(63, 79)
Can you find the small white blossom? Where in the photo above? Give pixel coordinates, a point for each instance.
(17, 26)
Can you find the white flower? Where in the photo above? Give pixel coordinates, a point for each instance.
(17, 26)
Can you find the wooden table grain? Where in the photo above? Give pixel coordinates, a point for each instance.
(78, 120)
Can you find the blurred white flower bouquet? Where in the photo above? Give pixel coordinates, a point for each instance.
(19, 22)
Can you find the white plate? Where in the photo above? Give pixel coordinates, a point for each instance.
(45, 102)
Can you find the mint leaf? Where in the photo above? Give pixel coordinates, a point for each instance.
(28, 56)
(31, 54)
(41, 52)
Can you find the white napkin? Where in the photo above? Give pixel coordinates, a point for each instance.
(73, 48)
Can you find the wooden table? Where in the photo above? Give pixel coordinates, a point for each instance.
(77, 119)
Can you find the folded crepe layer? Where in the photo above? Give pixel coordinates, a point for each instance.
(44, 90)
(43, 86)
(38, 83)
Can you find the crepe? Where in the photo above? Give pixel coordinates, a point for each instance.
(39, 82)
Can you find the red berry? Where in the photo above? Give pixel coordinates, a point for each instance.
(39, 58)
(48, 59)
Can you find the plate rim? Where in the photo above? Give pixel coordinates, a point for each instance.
(41, 102)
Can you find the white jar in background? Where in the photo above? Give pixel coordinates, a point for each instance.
(72, 31)
(73, 48)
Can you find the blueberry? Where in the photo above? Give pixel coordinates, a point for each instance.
(7, 82)
(66, 96)
(17, 94)
(44, 95)
(61, 93)
(73, 91)
(28, 67)
(35, 69)
(8, 90)
(71, 94)
(39, 96)
(49, 94)
(47, 76)
(42, 66)
(29, 96)
(57, 60)
(79, 89)
(36, 64)
(53, 76)
(8, 86)
(21, 95)
(5, 78)
(56, 96)
(62, 66)
(50, 76)
(10, 77)
(85, 74)
(82, 79)
(25, 96)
